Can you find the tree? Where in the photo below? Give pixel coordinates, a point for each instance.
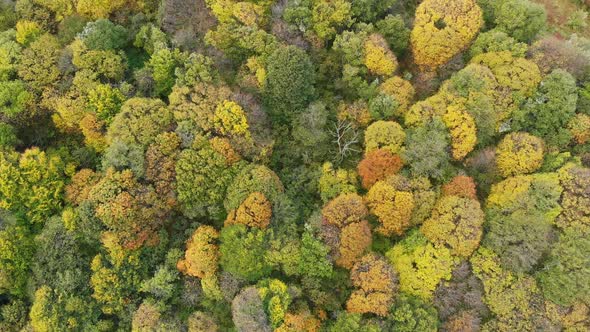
(202, 178)
(401, 90)
(574, 200)
(350, 322)
(426, 150)
(461, 186)
(140, 121)
(375, 281)
(565, 277)
(463, 131)
(378, 57)
(255, 211)
(521, 19)
(31, 184)
(103, 35)
(200, 321)
(514, 299)
(394, 30)
(275, 299)
(344, 210)
(460, 301)
(289, 82)
(334, 182)
(243, 252)
(202, 253)
(105, 101)
(313, 259)
(17, 249)
(163, 63)
(38, 64)
(14, 98)
(27, 32)
(442, 29)
(129, 209)
(98, 9)
(548, 112)
(230, 120)
(251, 179)
(248, 311)
(384, 135)
(456, 223)
(393, 205)
(496, 41)
(420, 265)
(411, 313)
(519, 153)
(378, 165)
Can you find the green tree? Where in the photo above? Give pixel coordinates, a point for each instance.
(104, 35)
(566, 277)
(547, 113)
(521, 19)
(289, 82)
(243, 252)
(411, 313)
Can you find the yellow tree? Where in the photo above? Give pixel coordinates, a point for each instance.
(519, 153)
(393, 207)
(379, 59)
(456, 223)
(442, 29)
(462, 129)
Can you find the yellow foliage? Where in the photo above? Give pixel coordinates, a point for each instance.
(392, 207)
(456, 223)
(94, 132)
(519, 153)
(420, 265)
(255, 211)
(384, 134)
(379, 59)
(401, 90)
(463, 131)
(516, 74)
(95, 9)
(230, 119)
(422, 111)
(27, 31)
(202, 254)
(442, 29)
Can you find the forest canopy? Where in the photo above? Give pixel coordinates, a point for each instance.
(294, 165)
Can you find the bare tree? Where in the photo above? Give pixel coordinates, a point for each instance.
(346, 138)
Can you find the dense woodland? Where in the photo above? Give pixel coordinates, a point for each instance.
(294, 165)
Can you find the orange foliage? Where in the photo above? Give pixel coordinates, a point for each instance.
(79, 189)
(355, 239)
(345, 209)
(462, 186)
(202, 253)
(378, 165)
(376, 283)
(255, 211)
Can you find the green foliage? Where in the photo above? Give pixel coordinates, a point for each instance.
(566, 277)
(497, 41)
(550, 109)
(16, 252)
(289, 82)
(426, 150)
(14, 98)
(521, 19)
(394, 30)
(103, 35)
(313, 259)
(411, 313)
(243, 252)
